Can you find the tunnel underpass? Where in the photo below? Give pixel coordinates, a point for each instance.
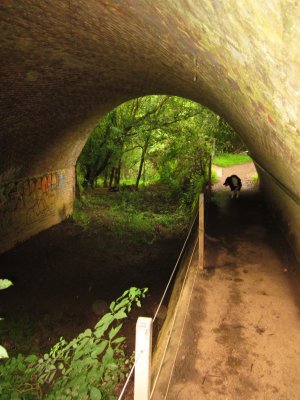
(64, 65)
(68, 63)
(239, 330)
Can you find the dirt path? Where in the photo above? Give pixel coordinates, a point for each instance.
(244, 171)
(242, 333)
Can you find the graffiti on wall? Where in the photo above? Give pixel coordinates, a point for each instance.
(30, 200)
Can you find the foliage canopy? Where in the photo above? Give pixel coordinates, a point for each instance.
(155, 138)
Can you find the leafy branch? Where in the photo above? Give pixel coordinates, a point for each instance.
(88, 367)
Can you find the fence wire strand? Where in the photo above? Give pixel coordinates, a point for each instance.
(160, 304)
(173, 321)
(129, 376)
(181, 332)
(174, 269)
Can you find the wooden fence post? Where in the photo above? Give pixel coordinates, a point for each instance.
(143, 352)
(201, 231)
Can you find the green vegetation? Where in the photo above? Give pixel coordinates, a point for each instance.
(88, 367)
(138, 176)
(155, 139)
(135, 216)
(4, 284)
(229, 160)
(255, 179)
(214, 177)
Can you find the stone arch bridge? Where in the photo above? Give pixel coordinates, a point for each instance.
(65, 63)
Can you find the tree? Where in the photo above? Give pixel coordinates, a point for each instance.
(151, 129)
(127, 128)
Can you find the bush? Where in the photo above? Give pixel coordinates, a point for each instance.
(88, 367)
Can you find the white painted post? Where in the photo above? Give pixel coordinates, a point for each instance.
(143, 352)
(201, 231)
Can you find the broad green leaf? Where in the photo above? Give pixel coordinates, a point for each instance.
(114, 331)
(5, 283)
(122, 304)
(108, 356)
(95, 394)
(119, 340)
(120, 315)
(99, 349)
(112, 366)
(112, 305)
(101, 329)
(31, 358)
(106, 319)
(86, 333)
(3, 352)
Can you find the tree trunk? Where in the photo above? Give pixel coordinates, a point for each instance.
(105, 183)
(112, 174)
(144, 173)
(144, 151)
(104, 164)
(118, 174)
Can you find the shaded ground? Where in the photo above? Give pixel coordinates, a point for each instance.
(242, 336)
(242, 332)
(60, 274)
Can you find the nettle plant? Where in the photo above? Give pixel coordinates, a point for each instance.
(88, 367)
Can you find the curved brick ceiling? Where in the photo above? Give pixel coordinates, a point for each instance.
(66, 62)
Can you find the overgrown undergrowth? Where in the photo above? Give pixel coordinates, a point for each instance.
(142, 216)
(88, 367)
(110, 231)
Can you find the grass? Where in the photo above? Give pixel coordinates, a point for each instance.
(214, 177)
(230, 159)
(255, 179)
(138, 216)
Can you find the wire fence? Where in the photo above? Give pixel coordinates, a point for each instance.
(173, 322)
(168, 285)
(195, 216)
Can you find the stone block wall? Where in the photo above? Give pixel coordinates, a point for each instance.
(32, 204)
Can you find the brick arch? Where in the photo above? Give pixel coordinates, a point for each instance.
(68, 62)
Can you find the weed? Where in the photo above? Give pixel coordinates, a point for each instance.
(88, 367)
